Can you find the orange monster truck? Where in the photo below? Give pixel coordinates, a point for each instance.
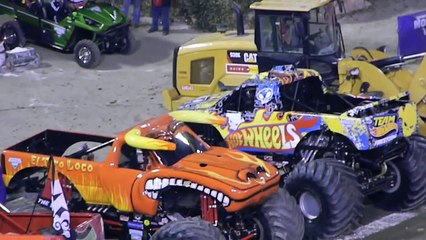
(156, 173)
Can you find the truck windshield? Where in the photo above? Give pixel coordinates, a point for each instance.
(186, 144)
(323, 31)
(281, 33)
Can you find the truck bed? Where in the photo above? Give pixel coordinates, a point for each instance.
(55, 142)
(309, 96)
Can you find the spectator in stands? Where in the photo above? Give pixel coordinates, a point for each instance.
(160, 7)
(136, 11)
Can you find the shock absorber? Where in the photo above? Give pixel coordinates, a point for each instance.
(209, 209)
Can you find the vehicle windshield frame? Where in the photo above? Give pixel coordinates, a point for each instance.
(281, 32)
(323, 31)
(186, 141)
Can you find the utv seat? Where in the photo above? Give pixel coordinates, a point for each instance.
(38, 9)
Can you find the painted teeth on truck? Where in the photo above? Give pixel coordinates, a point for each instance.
(152, 187)
(157, 184)
(213, 193)
(220, 197)
(165, 183)
(179, 182)
(172, 182)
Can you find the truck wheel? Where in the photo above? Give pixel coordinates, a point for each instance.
(279, 218)
(189, 228)
(409, 190)
(87, 54)
(128, 44)
(12, 33)
(329, 196)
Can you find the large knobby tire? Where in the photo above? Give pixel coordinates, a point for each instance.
(128, 44)
(329, 196)
(410, 188)
(14, 35)
(87, 54)
(188, 229)
(279, 218)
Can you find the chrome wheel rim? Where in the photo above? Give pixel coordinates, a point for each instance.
(310, 205)
(260, 232)
(397, 183)
(84, 55)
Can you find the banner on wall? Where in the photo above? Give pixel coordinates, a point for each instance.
(412, 33)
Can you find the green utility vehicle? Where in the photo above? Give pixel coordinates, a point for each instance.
(86, 28)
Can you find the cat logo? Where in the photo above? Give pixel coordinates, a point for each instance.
(250, 57)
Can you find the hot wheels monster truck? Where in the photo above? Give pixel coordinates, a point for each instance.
(157, 172)
(87, 30)
(331, 148)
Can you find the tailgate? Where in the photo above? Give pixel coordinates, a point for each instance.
(378, 123)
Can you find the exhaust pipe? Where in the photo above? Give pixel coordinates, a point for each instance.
(239, 17)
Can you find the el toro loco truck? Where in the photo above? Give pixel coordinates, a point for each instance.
(159, 171)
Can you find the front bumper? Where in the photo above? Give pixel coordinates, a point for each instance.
(112, 40)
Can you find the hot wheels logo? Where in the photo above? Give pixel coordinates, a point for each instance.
(383, 125)
(379, 132)
(281, 137)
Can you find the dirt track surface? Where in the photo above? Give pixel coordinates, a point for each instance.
(121, 92)
(125, 90)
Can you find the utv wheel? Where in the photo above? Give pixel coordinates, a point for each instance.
(128, 44)
(188, 229)
(12, 35)
(409, 189)
(87, 54)
(279, 218)
(328, 195)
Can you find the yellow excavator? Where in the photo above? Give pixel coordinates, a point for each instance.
(223, 60)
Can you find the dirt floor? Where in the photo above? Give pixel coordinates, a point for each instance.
(125, 90)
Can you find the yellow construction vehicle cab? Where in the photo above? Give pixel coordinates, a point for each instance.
(305, 33)
(300, 32)
(209, 64)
